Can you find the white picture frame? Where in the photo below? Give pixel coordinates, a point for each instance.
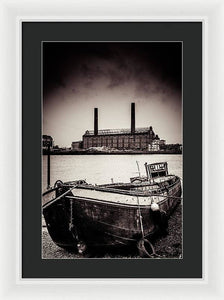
(211, 13)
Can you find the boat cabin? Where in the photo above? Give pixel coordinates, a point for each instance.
(156, 170)
(153, 171)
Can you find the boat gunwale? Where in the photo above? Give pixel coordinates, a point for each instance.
(135, 193)
(127, 192)
(147, 206)
(108, 202)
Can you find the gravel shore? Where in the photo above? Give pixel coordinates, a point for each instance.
(169, 246)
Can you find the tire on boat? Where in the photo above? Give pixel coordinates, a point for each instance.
(145, 248)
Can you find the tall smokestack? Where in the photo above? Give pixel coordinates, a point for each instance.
(95, 121)
(132, 118)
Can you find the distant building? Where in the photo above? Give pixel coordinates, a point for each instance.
(119, 138)
(76, 145)
(154, 146)
(133, 138)
(47, 140)
(162, 142)
(172, 147)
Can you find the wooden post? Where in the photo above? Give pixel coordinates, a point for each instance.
(95, 121)
(48, 167)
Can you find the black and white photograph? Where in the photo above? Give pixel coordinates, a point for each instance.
(112, 150)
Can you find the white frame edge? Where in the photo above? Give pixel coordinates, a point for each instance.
(210, 287)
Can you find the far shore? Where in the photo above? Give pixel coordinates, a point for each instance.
(116, 152)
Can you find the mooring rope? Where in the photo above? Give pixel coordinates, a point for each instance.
(140, 217)
(58, 198)
(71, 223)
(143, 240)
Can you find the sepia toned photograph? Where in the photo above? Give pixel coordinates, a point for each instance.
(112, 150)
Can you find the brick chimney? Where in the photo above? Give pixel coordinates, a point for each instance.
(132, 118)
(95, 121)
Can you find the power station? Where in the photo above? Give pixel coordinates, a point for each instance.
(133, 138)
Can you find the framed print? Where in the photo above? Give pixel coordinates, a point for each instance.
(32, 262)
(91, 91)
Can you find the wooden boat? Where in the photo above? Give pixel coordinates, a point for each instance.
(80, 215)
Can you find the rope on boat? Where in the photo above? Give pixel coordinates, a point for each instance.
(71, 223)
(80, 245)
(58, 198)
(140, 217)
(143, 241)
(142, 249)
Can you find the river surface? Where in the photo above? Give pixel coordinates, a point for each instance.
(100, 169)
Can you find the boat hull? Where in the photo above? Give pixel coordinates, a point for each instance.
(72, 219)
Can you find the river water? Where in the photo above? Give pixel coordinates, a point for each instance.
(100, 169)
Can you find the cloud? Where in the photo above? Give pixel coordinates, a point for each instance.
(81, 76)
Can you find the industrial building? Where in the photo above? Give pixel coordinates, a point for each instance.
(133, 138)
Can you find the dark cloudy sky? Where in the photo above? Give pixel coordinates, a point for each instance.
(80, 76)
